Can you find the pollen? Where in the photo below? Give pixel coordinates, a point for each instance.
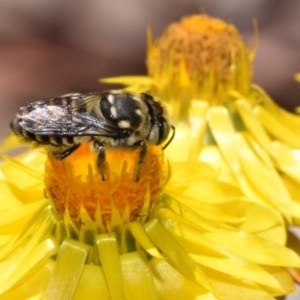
(199, 57)
(76, 189)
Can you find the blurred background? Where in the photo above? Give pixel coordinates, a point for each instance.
(50, 48)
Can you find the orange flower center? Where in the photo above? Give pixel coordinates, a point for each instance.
(75, 185)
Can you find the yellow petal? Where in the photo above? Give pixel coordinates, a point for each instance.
(40, 223)
(243, 162)
(175, 253)
(289, 120)
(283, 277)
(212, 192)
(91, 284)
(276, 128)
(262, 221)
(35, 285)
(8, 199)
(13, 220)
(69, 266)
(232, 288)
(129, 80)
(171, 285)
(10, 142)
(24, 182)
(212, 155)
(138, 278)
(20, 166)
(140, 235)
(287, 159)
(15, 273)
(240, 268)
(175, 152)
(252, 124)
(262, 251)
(110, 260)
(189, 172)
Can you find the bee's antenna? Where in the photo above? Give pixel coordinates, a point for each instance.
(170, 139)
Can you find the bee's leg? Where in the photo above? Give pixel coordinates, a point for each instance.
(101, 159)
(63, 155)
(143, 151)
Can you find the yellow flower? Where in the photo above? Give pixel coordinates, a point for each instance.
(67, 234)
(202, 67)
(86, 239)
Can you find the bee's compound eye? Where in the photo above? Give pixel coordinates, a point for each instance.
(107, 107)
(125, 133)
(164, 130)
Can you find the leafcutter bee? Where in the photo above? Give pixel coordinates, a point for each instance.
(116, 119)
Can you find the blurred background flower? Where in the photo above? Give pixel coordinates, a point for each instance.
(52, 48)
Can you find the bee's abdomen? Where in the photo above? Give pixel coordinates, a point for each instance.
(19, 130)
(25, 134)
(15, 126)
(53, 140)
(28, 136)
(57, 140)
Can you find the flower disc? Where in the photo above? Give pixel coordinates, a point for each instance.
(75, 184)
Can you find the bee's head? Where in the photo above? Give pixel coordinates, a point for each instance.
(159, 118)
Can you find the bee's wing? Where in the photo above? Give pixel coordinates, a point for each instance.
(57, 121)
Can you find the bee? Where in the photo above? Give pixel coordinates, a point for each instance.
(111, 119)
